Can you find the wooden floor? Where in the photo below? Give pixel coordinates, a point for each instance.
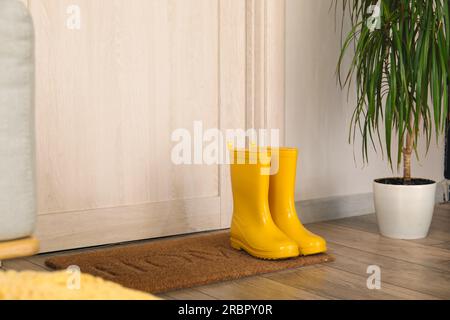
(409, 269)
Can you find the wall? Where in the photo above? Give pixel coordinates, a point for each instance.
(318, 114)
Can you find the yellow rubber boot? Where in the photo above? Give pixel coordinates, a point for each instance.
(282, 203)
(253, 229)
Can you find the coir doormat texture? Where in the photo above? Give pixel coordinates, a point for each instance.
(167, 265)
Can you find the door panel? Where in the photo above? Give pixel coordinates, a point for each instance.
(110, 94)
(115, 78)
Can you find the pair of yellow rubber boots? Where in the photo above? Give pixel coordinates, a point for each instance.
(265, 222)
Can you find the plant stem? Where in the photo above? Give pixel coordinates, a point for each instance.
(407, 154)
(408, 150)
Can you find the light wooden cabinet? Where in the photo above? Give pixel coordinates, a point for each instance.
(114, 79)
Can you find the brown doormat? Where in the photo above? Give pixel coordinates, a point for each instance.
(167, 265)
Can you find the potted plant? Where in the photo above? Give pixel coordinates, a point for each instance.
(400, 65)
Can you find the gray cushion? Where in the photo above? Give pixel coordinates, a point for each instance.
(17, 181)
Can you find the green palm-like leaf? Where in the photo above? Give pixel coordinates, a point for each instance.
(401, 72)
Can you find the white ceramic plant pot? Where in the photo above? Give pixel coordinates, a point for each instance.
(404, 212)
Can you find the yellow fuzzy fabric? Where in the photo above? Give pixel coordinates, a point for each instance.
(54, 286)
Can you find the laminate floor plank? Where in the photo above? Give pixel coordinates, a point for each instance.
(374, 243)
(409, 269)
(393, 271)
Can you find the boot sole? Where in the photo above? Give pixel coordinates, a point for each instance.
(312, 251)
(264, 255)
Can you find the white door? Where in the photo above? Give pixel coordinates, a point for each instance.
(114, 79)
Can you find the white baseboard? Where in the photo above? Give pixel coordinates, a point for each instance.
(440, 193)
(334, 208)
